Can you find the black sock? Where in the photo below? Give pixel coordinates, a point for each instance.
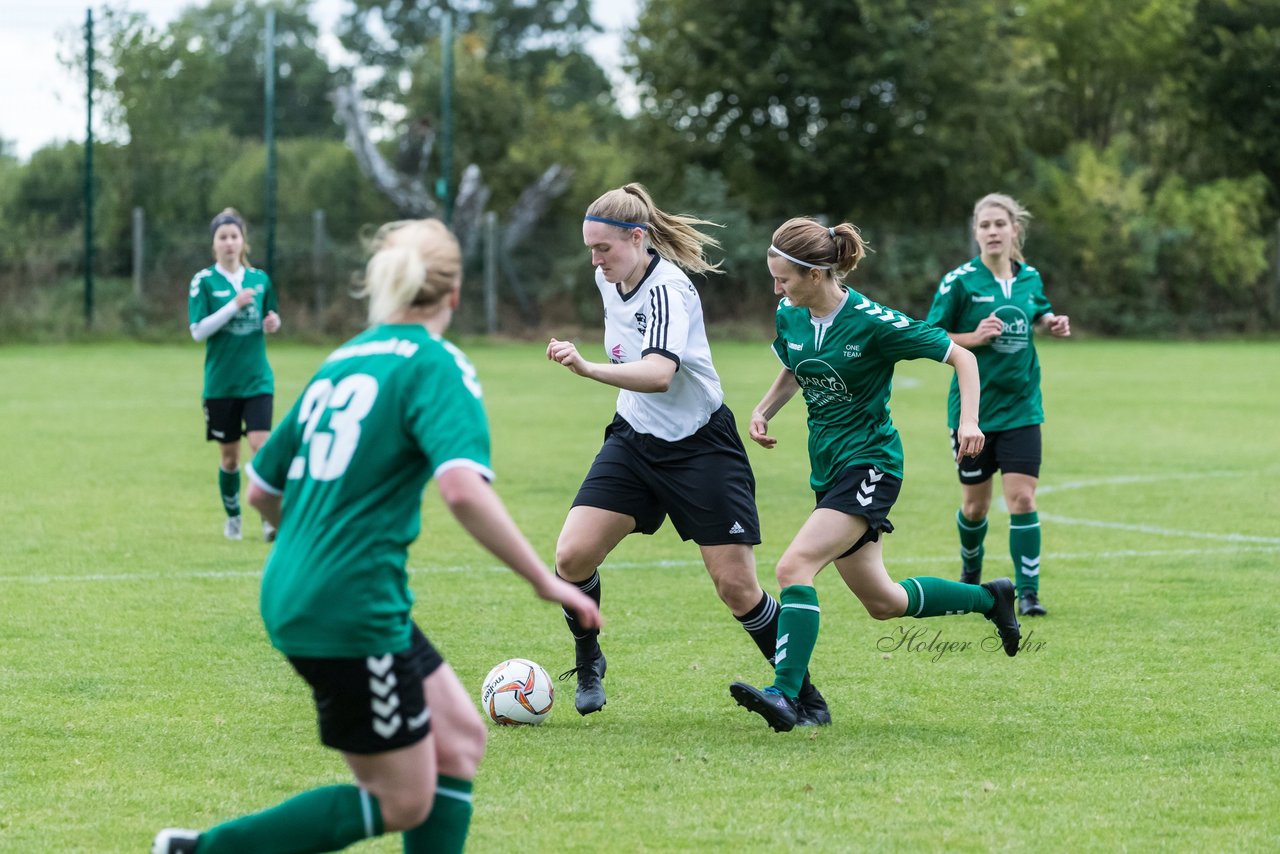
(584, 638)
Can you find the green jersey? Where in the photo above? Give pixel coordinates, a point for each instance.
(385, 412)
(844, 365)
(1008, 365)
(235, 357)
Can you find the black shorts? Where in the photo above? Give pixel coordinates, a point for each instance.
(863, 492)
(703, 482)
(373, 704)
(1015, 451)
(226, 419)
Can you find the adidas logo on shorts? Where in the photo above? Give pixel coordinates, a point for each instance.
(737, 528)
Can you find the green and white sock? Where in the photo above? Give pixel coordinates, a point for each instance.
(325, 819)
(445, 830)
(798, 622)
(972, 533)
(1024, 548)
(936, 597)
(229, 487)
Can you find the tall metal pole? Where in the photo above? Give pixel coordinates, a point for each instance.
(88, 171)
(491, 272)
(444, 189)
(269, 135)
(139, 251)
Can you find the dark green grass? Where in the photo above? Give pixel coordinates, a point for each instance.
(139, 690)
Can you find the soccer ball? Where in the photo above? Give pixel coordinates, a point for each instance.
(517, 692)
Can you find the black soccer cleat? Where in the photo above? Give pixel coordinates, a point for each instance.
(589, 696)
(175, 840)
(778, 710)
(968, 576)
(1002, 615)
(1029, 605)
(811, 708)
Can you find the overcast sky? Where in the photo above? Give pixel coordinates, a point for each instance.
(42, 102)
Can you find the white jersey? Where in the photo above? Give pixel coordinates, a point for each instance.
(663, 315)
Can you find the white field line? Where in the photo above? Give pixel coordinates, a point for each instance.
(1120, 480)
(940, 560)
(1163, 532)
(1264, 545)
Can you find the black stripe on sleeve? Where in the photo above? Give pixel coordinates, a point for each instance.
(660, 319)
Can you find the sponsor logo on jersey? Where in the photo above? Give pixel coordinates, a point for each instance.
(642, 322)
(794, 346)
(1017, 330)
(821, 383)
(977, 298)
(616, 354)
(852, 351)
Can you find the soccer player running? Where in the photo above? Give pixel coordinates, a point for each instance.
(230, 305)
(993, 304)
(672, 448)
(839, 348)
(343, 477)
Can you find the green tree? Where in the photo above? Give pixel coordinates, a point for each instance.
(1233, 80)
(205, 70)
(876, 107)
(520, 38)
(1103, 68)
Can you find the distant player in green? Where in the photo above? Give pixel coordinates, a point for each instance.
(992, 305)
(839, 348)
(342, 477)
(230, 305)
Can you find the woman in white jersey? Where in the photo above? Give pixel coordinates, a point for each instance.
(342, 477)
(230, 305)
(673, 448)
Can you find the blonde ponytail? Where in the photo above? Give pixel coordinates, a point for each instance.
(415, 263)
(673, 236)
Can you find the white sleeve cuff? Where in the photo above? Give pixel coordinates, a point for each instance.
(484, 472)
(259, 482)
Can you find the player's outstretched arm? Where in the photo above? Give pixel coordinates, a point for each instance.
(481, 512)
(651, 374)
(783, 389)
(969, 438)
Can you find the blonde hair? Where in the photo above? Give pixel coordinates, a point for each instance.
(1020, 216)
(231, 216)
(415, 263)
(672, 236)
(837, 248)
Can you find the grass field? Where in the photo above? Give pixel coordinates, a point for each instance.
(137, 688)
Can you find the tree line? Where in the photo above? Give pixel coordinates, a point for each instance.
(1140, 134)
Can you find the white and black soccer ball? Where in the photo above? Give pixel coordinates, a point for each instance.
(517, 692)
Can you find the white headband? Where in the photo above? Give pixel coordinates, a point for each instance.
(776, 251)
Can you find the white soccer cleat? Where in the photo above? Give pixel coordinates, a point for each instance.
(268, 532)
(232, 529)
